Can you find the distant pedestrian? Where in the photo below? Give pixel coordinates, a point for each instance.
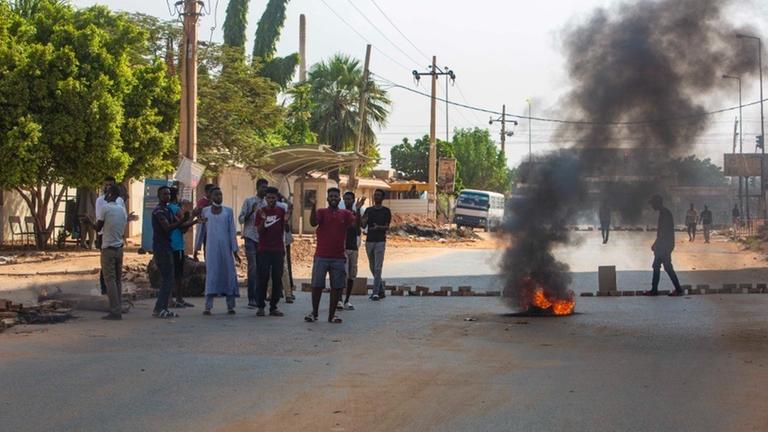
(736, 217)
(221, 253)
(181, 211)
(332, 224)
(352, 246)
(376, 220)
(270, 222)
(113, 222)
(662, 248)
(605, 220)
(163, 222)
(706, 222)
(247, 219)
(691, 220)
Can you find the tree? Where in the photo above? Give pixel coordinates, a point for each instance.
(410, 160)
(238, 115)
(336, 86)
(297, 128)
(692, 171)
(483, 166)
(71, 96)
(235, 24)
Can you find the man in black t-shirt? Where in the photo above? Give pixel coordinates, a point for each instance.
(662, 249)
(352, 246)
(376, 219)
(706, 221)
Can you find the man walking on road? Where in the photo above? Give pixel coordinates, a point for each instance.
(706, 222)
(662, 248)
(247, 219)
(376, 219)
(221, 253)
(332, 224)
(352, 246)
(163, 222)
(270, 222)
(736, 217)
(113, 222)
(691, 219)
(605, 220)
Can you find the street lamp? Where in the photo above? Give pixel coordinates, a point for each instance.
(761, 141)
(741, 148)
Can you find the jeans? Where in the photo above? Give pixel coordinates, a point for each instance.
(375, 251)
(270, 266)
(605, 229)
(251, 252)
(665, 259)
(164, 261)
(112, 271)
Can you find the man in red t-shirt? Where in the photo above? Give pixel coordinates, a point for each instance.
(330, 255)
(270, 222)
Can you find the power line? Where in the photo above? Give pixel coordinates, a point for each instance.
(365, 39)
(571, 122)
(399, 31)
(415, 62)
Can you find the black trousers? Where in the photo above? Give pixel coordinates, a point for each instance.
(270, 265)
(665, 259)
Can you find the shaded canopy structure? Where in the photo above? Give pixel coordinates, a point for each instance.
(305, 159)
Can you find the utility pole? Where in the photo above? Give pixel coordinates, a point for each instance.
(362, 107)
(302, 48)
(761, 138)
(190, 12)
(434, 72)
(504, 134)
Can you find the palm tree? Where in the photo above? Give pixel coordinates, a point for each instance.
(336, 86)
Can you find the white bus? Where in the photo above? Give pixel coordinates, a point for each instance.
(479, 209)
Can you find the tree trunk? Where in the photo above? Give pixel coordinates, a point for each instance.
(37, 202)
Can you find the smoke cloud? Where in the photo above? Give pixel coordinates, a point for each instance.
(651, 64)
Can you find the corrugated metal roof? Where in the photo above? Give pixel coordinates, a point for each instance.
(304, 159)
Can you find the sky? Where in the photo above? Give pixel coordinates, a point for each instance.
(502, 52)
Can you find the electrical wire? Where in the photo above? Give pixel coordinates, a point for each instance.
(399, 31)
(375, 27)
(573, 122)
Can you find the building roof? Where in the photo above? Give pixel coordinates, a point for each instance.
(304, 159)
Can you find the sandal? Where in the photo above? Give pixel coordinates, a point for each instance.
(165, 314)
(310, 317)
(335, 320)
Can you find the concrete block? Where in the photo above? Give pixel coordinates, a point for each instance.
(762, 286)
(421, 290)
(305, 287)
(728, 288)
(440, 294)
(639, 292)
(448, 291)
(711, 291)
(493, 293)
(603, 294)
(686, 287)
(702, 287)
(606, 278)
(755, 291)
(587, 294)
(694, 291)
(745, 286)
(664, 292)
(628, 293)
(360, 287)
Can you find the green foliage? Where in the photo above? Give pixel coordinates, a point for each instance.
(691, 171)
(482, 165)
(159, 34)
(336, 86)
(297, 129)
(410, 160)
(238, 114)
(236, 23)
(269, 29)
(75, 87)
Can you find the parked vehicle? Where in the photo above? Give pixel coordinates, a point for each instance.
(479, 209)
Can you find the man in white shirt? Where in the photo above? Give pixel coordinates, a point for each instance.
(112, 225)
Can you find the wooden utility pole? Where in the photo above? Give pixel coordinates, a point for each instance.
(302, 48)
(362, 107)
(188, 126)
(432, 144)
(503, 129)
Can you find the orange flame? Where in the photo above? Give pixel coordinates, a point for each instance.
(558, 306)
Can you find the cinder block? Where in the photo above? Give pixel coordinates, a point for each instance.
(702, 287)
(686, 287)
(587, 294)
(728, 288)
(628, 293)
(745, 286)
(711, 291)
(694, 291)
(606, 278)
(755, 291)
(639, 292)
(359, 287)
(603, 294)
(439, 294)
(664, 292)
(422, 290)
(493, 293)
(446, 290)
(762, 286)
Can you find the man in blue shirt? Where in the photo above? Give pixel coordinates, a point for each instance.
(180, 212)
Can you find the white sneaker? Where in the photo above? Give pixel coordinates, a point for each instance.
(349, 306)
(340, 305)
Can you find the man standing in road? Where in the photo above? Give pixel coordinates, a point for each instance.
(605, 220)
(662, 248)
(181, 211)
(352, 246)
(706, 222)
(247, 219)
(332, 224)
(691, 219)
(114, 219)
(221, 253)
(163, 222)
(270, 222)
(736, 217)
(376, 219)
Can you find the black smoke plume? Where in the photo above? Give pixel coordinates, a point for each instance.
(651, 64)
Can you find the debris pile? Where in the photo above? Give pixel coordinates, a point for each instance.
(45, 312)
(192, 284)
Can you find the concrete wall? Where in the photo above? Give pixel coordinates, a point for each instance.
(408, 206)
(236, 184)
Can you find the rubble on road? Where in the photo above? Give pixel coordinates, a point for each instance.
(422, 228)
(45, 312)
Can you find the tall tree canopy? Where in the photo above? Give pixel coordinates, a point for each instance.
(235, 24)
(336, 85)
(410, 160)
(79, 102)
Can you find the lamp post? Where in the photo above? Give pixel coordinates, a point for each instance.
(741, 147)
(761, 141)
